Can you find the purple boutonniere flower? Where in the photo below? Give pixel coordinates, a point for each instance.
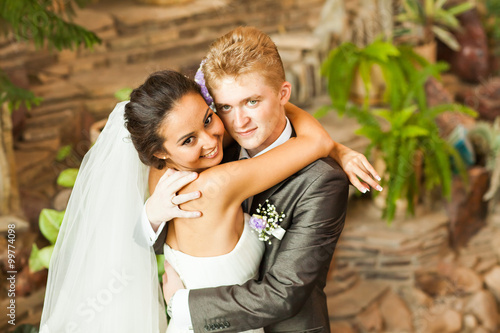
(267, 223)
(257, 222)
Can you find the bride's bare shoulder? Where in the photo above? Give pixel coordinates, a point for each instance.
(154, 178)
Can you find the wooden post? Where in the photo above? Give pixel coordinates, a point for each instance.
(9, 193)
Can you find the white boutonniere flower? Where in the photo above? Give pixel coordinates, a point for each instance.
(266, 222)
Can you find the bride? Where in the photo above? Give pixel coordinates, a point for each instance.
(103, 273)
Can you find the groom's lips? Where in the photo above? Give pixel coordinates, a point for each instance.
(247, 133)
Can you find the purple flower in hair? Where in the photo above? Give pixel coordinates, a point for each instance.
(200, 79)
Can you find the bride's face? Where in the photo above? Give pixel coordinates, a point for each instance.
(193, 135)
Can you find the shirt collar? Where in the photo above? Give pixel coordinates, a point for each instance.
(285, 135)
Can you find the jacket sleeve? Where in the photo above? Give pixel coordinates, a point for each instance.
(162, 237)
(305, 252)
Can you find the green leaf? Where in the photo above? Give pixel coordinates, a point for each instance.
(123, 94)
(322, 111)
(50, 221)
(40, 258)
(160, 262)
(374, 134)
(413, 131)
(25, 328)
(446, 37)
(67, 178)
(463, 7)
(34, 262)
(63, 152)
(381, 51)
(45, 254)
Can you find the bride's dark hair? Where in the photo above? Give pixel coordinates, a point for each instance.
(149, 105)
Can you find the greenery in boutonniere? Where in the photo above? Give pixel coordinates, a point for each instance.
(406, 128)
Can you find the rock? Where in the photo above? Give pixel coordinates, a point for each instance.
(467, 210)
(27, 282)
(371, 318)
(23, 242)
(32, 204)
(465, 280)
(61, 199)
(470, 322)
(58, 91)
(395, 313)
(356, 299)
(486, 264)
(443, 321)
(481, 329)
(418, 298)
(49, 144)
(93, 20)
(471, 62)
(433, 283)
(437, 94)
(492, 280)
(483, 306)
(6, 220)
(484, 98)
(341, 327)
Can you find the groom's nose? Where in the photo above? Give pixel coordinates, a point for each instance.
(240, 118)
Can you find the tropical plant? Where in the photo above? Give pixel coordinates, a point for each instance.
(424, 20)
(398, 66)
(400, 137)
(406, 128)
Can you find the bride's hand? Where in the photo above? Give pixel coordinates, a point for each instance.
(357, 168)
(163, 205)
(171, 282)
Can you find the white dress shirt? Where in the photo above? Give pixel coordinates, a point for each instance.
(180, 303)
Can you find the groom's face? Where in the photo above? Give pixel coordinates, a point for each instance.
(252, 111)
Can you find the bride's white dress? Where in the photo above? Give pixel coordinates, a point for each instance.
(235, 267)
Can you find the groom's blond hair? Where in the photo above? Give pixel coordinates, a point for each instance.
(241, 51)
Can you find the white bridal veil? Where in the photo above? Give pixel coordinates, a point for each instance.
(103, 275)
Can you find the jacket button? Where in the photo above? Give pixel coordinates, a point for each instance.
(226, 324)
(207, 328)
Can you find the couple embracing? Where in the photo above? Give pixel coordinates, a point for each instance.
(248, 242)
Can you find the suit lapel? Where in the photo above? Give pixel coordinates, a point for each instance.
(261, 197)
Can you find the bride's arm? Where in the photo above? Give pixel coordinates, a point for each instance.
(251, 176)
(354, 164)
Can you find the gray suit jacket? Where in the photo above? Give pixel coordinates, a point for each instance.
(288, 297)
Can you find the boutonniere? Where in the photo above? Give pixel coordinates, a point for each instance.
(266, 222)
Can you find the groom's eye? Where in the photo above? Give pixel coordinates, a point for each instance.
(225, 108)
(253, 102)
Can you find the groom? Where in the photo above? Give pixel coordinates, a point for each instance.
(288, 295)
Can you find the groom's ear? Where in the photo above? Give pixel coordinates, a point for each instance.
(285, 92)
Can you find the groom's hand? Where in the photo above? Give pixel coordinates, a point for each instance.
(171, 282)
(163, 205)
